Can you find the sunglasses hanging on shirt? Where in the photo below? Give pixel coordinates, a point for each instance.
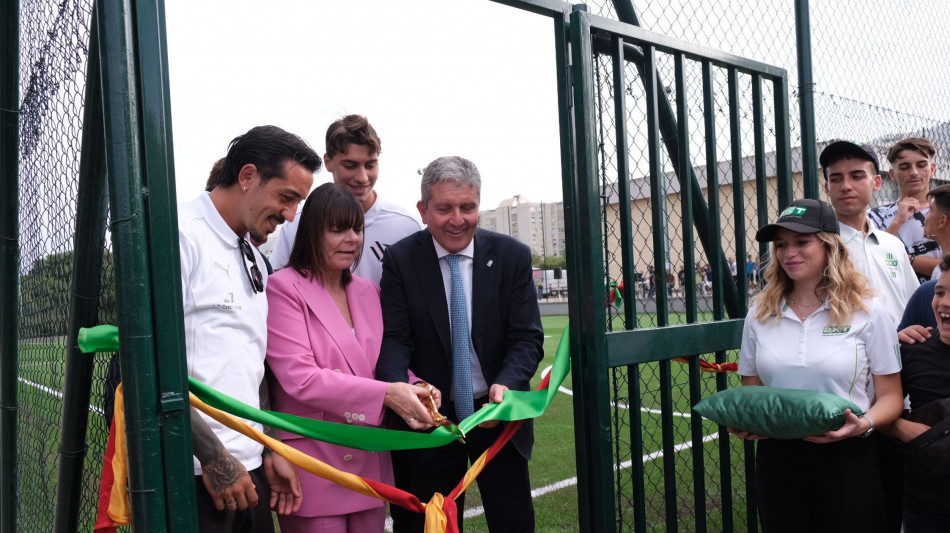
(253, 272)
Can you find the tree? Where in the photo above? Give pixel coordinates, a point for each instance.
(45, 295)
(551, 262)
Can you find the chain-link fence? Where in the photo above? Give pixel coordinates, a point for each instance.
(878, 73)
(54, 41)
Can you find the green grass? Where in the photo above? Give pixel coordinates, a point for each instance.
(554, 454)
(41, 371)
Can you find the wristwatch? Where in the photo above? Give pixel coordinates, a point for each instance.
(870, 430)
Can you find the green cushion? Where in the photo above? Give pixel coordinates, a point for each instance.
(776, 413)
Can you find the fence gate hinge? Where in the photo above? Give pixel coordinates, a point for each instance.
(172, 403)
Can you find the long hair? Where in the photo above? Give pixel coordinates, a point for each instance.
(845, 286)
(328, 207)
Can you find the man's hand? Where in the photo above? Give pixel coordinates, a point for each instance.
(495, 395)
(906, 208)
(913, 334)
(905, 430)
(228, 483)
(223, 476)
(285, 493)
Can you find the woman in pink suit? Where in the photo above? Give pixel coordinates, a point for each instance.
(325, 328)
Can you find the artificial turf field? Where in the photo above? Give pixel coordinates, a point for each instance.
(553, 465)
(553, 471)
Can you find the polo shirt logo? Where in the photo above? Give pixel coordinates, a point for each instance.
(835, 330)
(890, 261)
(794, 210)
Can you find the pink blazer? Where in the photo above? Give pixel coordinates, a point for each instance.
(322, 370)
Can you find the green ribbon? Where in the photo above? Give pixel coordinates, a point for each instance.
(517, 405)
(618, 295)
(104, 338)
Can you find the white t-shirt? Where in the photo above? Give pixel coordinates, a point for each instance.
(812, 355)
(384, 224)
(911, 232)
(225, 321)
(882, 258)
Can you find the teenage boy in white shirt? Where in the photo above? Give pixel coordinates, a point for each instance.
(851, 178)
(352, 157)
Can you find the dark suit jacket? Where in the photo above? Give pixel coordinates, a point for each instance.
(506, 324)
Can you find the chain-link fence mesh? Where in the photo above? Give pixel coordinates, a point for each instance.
(54, 40)
(876, 82)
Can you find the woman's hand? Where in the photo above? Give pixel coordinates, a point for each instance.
(853, 427)
(407, 401)
(745, 435)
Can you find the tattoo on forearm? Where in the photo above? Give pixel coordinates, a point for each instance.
(205, 443)
(222, 473)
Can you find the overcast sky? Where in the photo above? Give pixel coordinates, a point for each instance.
(435, 77)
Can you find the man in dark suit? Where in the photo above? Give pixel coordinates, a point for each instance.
(460, 311)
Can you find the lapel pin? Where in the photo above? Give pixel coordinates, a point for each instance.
(490, 261)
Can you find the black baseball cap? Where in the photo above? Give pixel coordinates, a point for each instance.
(801, 216)
(838, 150)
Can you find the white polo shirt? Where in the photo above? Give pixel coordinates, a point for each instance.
(812, 355)
(225, 321)
(384, 224)
(882, 258)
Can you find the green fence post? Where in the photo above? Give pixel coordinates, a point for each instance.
(162, 236)
(88, 245)
(587, 296)
(124, 159)
(806, 100)
(9, 255)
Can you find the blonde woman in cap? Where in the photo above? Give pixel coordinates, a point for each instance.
(816, 326)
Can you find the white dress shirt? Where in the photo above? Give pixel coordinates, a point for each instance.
(466, 263)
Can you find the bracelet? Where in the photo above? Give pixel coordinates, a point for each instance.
(870, 429)
(912, 257)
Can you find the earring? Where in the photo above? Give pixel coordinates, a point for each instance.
(244, 189)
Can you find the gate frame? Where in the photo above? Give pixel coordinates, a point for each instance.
(595, 351)
(136, 121)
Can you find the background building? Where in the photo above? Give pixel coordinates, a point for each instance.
(539, 225)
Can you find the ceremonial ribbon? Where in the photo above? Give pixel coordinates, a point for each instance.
(706, 366)
(616, 294)
(440, 512)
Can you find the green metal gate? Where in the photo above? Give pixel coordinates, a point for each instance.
(632, 405)
(632, 399)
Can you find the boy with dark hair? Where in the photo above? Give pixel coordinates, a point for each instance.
(851, 178)
(912, 167)
(352, 157)
(266, 173)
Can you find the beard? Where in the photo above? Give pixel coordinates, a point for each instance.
(257, 239)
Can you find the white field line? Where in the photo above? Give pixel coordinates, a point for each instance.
(570, 482)
(569, 392)
(56, 393)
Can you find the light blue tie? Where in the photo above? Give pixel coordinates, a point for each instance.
(462, 393)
